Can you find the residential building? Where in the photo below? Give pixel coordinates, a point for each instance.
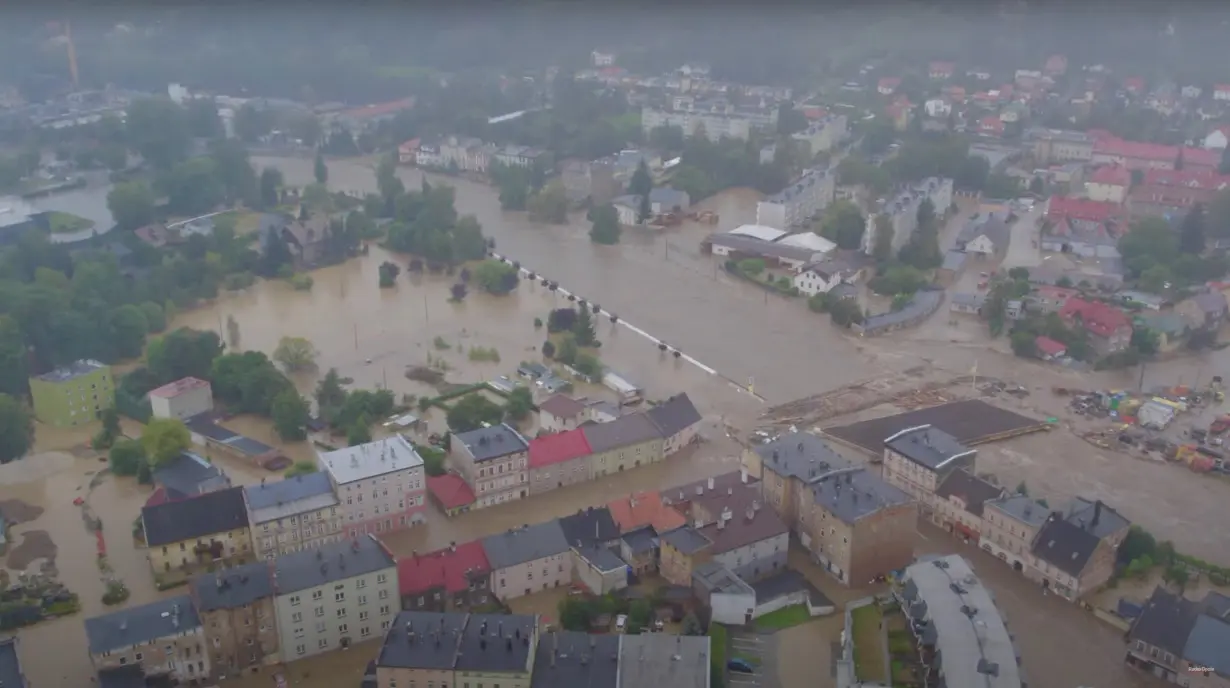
(190, 534)
(1109, 184)
(1136, 155)
(602, 59)
(628, 210)
(429, 155)
(558, 460)
(1204, 310)
(941, 70)
(856, 525)
(494, 461)
(237, 614)
(917, 460)
(902, 210)
(786, 464)
(307, 240)
(965, 302)
(454, 649)
(1218, 138)
(985, 237)
(678, 421)
(822, 135)
(887, 85)
(11, 673)
(560, 412)
(739, 246)
(626, 442)
(963, 639)
(1065, 207)
(1010, 524)
(644, 510)
(1075, 550)
(663, 200)
(1056, 146)
(466, 154)
(639, 550)
(451, 493)
(187, 475)
(728, 525)
(594, 181)
(293, 514)
(1049, 349)
(182, 399)
(599, 569)
(1171, 194)
(408, 151)
(651, 659)
(524, 157)
(333, 596)
(715, 125)
(528, 558)
(456, 578)
(1182, 641)
(389, 473)
(590, 526)
(1109, 328)
(960, 498)
(821, 277)
(802, 199)
(1084, 238)
(73, 395)
(164, 638)
(565, 659)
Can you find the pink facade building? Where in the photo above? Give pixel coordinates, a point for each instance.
(380, 485)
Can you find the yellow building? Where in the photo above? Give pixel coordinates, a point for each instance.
(624, 443)
(200, 533)
(457, 649)
(73, 395)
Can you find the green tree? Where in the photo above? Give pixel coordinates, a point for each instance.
(388, 274)
(495, 276)
(1148, 242)
(128, 330)
(183, 353)
(16, 429)
(155, 317)
(251, 123)
(1024, 344)
(270, 185)
(317, 199)
(110, 429)
(549, 204)
(468, 240)
(843, 224)
(606, 229)
(845, 312)
(641, 183)
(640, 614)
(330, 395)
(588, 365)
(193, 187)
(295, 353)
(1036, 186)
(14, 358)
(583, 329)
(201, 115)
(520, 403)
(113, 156)
(567, 350)
(321, 170)
(1155, 279)
(923, 250)
(514, 186)
(1192, 232)
(164, 439)
(158, 129)
(644, 210)
(359, 432)
(691, 625)
(878, 136)
(1022, 489)
(471, 411)
(248, 382)
(290, 414)
(301, 468)
(131, 204)
(235, 173)
(126, 457)
(882, 246)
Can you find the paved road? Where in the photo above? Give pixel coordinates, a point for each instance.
(1023, 249)
(760, 650)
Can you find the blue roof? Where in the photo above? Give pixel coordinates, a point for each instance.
(1208, 645)
(290, 490)
(10, 664)
(141, 625)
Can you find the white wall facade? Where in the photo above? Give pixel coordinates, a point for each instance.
(314, 621)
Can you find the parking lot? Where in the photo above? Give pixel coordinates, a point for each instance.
(760, 652)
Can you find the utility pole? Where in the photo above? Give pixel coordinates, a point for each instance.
(1140, 386)
(426, 316)
(356, 336)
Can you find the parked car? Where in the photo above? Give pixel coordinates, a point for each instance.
(740, 666)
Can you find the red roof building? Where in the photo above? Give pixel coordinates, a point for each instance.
(1055, 65)
(1066, 207)
(450, 492)
(1109, 328)
(406, 152)
(1137, 155)
(1173, 192)
(941, 70)
(1134, 84)
(445, 580)
(888, 84)
(558, 460)
(991, 126)
(1111, 175)
(1049, 348)
(644, 509)
(379, 110)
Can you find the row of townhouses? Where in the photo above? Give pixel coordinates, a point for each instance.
(1183, 641)
(496, 464)
(902, 210)
(468, 154)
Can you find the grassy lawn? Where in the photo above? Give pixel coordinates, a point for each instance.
(717, 652)
(65, 223)
(868, 646)
(246, 221)
(783, 618)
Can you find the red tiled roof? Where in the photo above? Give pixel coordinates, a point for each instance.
(1097, 317)
(1155, 152)
(411, 145)
(443, 568)
(1133, 83)
(1195, 179)
(1049, 346)
(1053, 293)
(450, 490)
(1112, 175)
(890, 82)
(814, 112)
(379, 109)
(158, 497)
(559, 447)
(1060, 207)
(645, 509)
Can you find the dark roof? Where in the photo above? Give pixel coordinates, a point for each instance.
(1216, 604)
(562, 406)
(1065, 545)
(10, 664)
(129, 676)
(641, 540)
(742, 527)
(1208, 645)
(687, 540)
(854, 493)
(141, 625)
(588, 526)
(188, 475)
(800, 455)
(1166, 621)
(527, 543)
(601, 558)
(185, 519)
(651, 659)
(496, 642)
(288, 490)
(674, 415)
(1096, 517)
(1020, 508)
(332, 562)
(972, 490)
(927, 446)
(634, 428)
(485, 444)
(570, 659)
(422, 651)
(234, 587)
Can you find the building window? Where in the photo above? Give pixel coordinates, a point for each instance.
(298, 633)
(301, 650)
(384, 594)
(339, 597)
(323, 643)
(317, 594)
(382, 577)
(294, 601)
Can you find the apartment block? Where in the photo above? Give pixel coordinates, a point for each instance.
(801, 200)
(528, 558)
(164, 638)
(494, 461)
(902, 210)
(188, 535)
(455, 578)
(379, 485)
(237, 613)
(74, 394)
(822, 135)
(916, 461)
(293, 514)
(455, 649)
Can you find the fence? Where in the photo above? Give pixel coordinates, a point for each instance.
(921, 306)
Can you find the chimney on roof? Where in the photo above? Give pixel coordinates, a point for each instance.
(700, 490)
(452, 546)
(710, 483)
(743, 475)
(219, 581)
(730, 491)
(751, 513)
(1097, 514)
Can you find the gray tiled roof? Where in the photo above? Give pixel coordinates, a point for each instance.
(234, 587)
(962, 298)
(686, 539)
(72, 370)
(974, 491)
(188, 475)
(1020, 508)
(927, 446)
(400, 651)
(800, 455)
(588, 526)
(601, 558)
(651, 659)
(713, 576)
(760, 247)
(640, 540)
(1065, 545)
(1096, 517)
(186, 519)
(1208, 645)
(141, 625)
(954, 260)
(527, 543)
(493, 442)
(1165, 622)
(625, 431)
(851, 494)
(674, 415)
(10, 664)
(288, 490)
(332, 562)
(496, 643)
(571, 659)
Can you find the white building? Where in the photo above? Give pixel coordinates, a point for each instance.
(803, 199)
(1217, 139)
(182, 399)
(428, 155)
(627, 209)
(810, 241)
(380, 485)
(715, 125)
(817, 278)
(601, 59)
(332, 597)
(903, 210)
(823, 134)
(937, 107)
(528, 559)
